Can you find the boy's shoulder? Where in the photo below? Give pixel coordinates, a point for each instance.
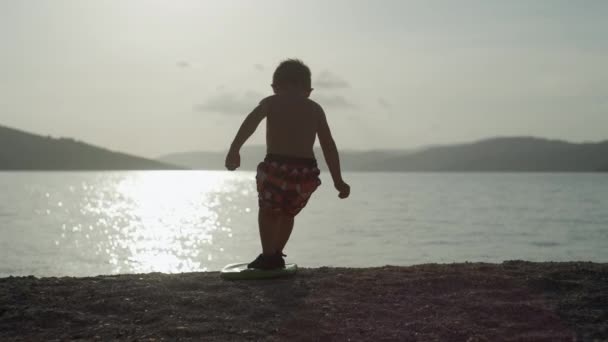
(269, 100)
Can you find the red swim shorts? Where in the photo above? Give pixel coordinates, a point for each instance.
(286, 183)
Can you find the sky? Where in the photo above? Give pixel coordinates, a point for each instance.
(152, 77)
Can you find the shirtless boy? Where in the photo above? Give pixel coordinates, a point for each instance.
(288, 175)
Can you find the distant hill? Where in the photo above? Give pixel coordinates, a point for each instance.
(517, 154)
(506, 154)
(25, 151)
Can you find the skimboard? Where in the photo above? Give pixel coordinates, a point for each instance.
(241, 272)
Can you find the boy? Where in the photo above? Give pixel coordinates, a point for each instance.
(289, 174)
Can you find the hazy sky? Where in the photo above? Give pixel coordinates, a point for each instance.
(152, 77)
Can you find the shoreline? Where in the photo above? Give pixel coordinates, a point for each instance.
(514, 300)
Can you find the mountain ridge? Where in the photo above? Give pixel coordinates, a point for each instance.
(508, 154)
(20, 150)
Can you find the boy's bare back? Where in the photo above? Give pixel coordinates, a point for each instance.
(292, 123)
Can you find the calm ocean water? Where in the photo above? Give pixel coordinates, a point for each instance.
(89, 223)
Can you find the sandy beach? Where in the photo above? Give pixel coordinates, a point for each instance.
(512, 301)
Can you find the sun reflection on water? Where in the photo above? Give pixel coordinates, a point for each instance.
(160, 222)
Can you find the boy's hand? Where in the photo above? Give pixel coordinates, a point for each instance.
(233, 160)
(343, 189)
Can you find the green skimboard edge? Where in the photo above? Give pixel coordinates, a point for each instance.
(241, 272)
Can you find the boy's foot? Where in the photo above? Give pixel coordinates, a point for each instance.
(280, 261)
(257, 262)
(267, 262)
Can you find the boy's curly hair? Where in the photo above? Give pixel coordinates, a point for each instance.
(292, 72)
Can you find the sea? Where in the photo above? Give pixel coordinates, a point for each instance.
(92, 223)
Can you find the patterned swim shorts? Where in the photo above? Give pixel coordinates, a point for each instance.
(286, 183)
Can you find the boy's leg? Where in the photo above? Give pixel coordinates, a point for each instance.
(268, 222)
(285, 226)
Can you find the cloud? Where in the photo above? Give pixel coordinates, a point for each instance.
(334, 101)
(384, 103)
(182, 64)
(259, 67)
(329, 80)
(230, 103)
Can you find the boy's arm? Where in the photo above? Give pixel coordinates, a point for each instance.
(332, 158)
(249, 125)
